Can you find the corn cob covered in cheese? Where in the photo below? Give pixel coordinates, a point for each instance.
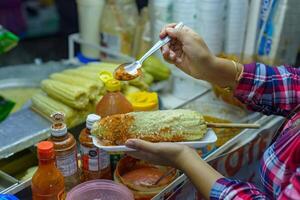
(155, 126)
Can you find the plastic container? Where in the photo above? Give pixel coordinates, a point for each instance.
(118, 26)
(7, 197)
(131, 171)
(95, 162)
(143, 101)
(89, 13)
(66, 151)
(47, 182)
(100, 189)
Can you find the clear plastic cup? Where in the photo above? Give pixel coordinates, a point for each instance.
(100, 189)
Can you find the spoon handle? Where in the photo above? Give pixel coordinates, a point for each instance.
(158, 44)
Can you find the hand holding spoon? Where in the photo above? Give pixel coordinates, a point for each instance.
(129, 71)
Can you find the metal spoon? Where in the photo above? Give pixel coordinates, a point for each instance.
(166, 174)
(129, 71)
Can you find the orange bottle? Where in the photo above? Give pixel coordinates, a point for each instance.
(65, 150)
(113, 102)
(47, 182)
(95, 162)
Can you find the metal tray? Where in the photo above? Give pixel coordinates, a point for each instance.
(6, 182)
(25, 128)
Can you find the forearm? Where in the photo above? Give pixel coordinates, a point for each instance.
(224, 72)
(201, 174)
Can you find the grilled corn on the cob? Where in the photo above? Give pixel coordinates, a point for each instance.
(73, 96)
(91, 86)
(156, 126)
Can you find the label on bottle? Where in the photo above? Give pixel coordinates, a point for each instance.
(110, 41)
(67, 164)
(94, 159)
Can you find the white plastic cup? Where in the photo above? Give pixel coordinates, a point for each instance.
(89, 13)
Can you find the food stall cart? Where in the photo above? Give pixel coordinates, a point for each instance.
(236, 156)
(27, 127)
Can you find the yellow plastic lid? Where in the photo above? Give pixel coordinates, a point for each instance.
(113, 85)
(105, 76)
(143, 101)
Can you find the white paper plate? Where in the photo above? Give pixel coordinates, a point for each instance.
(209, 138)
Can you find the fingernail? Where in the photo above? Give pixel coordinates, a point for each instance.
(170, 29)
(129, 143)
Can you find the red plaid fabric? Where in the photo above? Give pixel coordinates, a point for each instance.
(270, 90)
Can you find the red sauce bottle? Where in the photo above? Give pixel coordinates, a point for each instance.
(47, 182)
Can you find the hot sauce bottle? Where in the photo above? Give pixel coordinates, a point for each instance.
(47, 182)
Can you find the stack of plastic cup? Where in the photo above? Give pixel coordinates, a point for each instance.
(160, 15)
(185, 11)
(210, 23)
(89, 13)
(236, 21)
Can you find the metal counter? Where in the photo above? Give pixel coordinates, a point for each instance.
(25, 128)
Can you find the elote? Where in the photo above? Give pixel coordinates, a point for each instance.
(155, 126)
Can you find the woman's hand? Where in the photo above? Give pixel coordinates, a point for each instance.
(188, 51)
(181, 157)
(168, 154)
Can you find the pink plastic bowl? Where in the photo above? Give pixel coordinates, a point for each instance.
(100, 190)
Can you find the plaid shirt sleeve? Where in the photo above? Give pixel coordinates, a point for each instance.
(229, 189)
(269, 90)
(226, 188)
(279, 172)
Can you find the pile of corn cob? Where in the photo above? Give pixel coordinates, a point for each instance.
(77, 91)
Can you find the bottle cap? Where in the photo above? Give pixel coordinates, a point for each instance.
(143, 101)
(91, 119)
(113, 85)
(105, 76)
(45, 150)
(58, 128)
